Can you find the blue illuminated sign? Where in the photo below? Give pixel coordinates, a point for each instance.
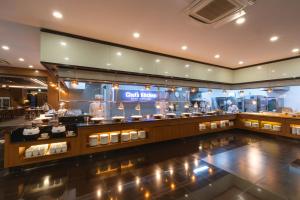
(136, 95)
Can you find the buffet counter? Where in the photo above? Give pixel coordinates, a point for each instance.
(277, 124)
(89, 138)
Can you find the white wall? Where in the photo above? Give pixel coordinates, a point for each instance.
(96, 55)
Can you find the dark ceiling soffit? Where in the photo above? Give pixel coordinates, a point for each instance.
(156, 53)
(47, 64)
(127, 47)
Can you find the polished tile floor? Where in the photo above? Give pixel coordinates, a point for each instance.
(228, 165)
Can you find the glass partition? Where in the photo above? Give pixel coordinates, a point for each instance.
(130, 99)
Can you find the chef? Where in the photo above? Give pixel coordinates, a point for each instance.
(96, 108)
(232, 108)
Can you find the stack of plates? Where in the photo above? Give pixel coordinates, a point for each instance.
(248, 124)
(142, 134)
(267, 126)
(255, 124)
(104, 139)
(125, 137)
(93, 140)
(202, 127)
(134, 135)
(114, 137)
(213, 125)
(276, 127)
(223, 124)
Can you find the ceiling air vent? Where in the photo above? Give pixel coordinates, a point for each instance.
(211, 11)
(4, 62)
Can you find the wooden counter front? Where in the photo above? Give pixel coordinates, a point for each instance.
(285, 121)
(156, 131)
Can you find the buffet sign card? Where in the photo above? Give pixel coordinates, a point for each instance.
(137, 95)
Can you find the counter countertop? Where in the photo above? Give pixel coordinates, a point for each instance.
(108, 122)
(271, 114)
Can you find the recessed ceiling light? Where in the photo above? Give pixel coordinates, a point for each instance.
(21, 59)
(36, 71)
(67, 58)
(4, 47)
(241, 62)
(166, 72)
(136, 35)
(157, 60)
(295, 50)
(273, 71)
(240, 20)
(108, 64)
(187, 66)
(57, 14)
(186, 75)
(274, 38)
(141, 69)
(259, 67)
(184, 47)
(209, 69)
(119, 53)
(30, 66)
(217, 56)
(62, 43)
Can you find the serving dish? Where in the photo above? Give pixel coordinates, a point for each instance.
(118, 118)
(186, 114)
(97, 119)
(171, 115)
(136, 117)
(31, 133)
(158, 116)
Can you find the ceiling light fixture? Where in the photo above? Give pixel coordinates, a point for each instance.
(108, 64)
(74, 83)
(274, 38)
(184, 47)
(209, 69)
(157, 60)
(295, 50)
(30, 66)
(67, 58)
(240, 20)
(241, 62)
(147, 87)
(21, 59)
(136, 35)
(115, 86)
(57, 14)
(4, 47)
(62, 43)
(217, 56)
(269, 90)
(187, 66)
(119, 53)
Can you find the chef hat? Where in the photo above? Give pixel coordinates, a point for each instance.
(98, 96)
